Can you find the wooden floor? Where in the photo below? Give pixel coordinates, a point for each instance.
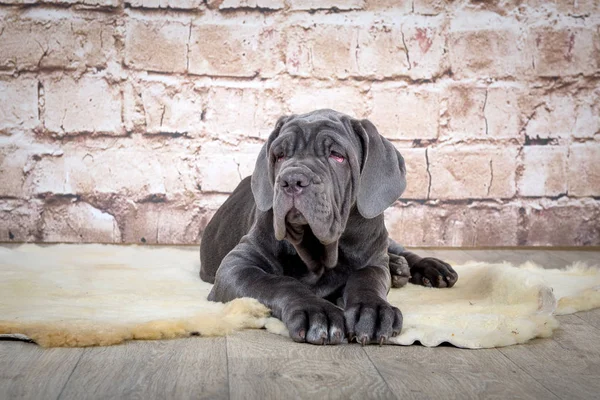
(259, 365)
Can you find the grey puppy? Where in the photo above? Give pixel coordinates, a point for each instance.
(305, 235)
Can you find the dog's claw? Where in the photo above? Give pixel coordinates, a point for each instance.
(382, 340)
(363, 341)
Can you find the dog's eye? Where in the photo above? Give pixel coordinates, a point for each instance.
(279, 157)
(336, 156)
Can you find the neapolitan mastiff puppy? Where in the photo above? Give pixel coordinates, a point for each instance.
(305, 236)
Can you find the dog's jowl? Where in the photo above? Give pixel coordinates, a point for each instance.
(305, 236)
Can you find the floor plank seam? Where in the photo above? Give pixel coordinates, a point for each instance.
(379, 373)
(527, 373)
(227, 367)
(586, 322)
(71, 374)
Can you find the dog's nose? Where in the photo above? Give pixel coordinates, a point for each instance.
(293, 182)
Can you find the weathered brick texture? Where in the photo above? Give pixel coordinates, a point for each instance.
(482, 172)
(132, 120)
(234, 50)
(485, 45)
(406, 112)
(157, 44)
(564, 50)
(173, 4)
(88, 104)
(326, 4)
(19, 104)
(36, 40)
(78, 222)
(264, 4)
(544, 171)
(584, 169)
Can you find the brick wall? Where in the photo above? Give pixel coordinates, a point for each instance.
(131, 120)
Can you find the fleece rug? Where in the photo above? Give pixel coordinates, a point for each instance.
(88, 295)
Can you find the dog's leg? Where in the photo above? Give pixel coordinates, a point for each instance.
(427, 271)
(369, 316)
(308, 318)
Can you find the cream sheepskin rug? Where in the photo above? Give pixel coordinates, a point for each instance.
(86, 295)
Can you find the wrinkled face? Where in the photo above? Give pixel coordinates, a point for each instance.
(314, 167)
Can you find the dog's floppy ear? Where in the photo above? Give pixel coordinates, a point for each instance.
(260, 182)
(383, 173)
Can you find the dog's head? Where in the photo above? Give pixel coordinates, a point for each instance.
(315, 167)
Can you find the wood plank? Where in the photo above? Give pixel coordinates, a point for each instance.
(543, 258)
(453, 257)
(590, 257)
(31, 372)
(179, 369)
(417, 372)
(591, 317)
(568, 364)
(264, 365)
(515, 256)
(483, 255)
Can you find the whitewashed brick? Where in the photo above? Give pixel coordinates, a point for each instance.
(12, 164)
(223, 167)
(265, 4)
(235, 50)
(20, 220)
(381, 52)
(484, 45)
(89, 104)
(584, 169)
(402, 6)
(322, 51)
(417, 178)
(306, 97)
(73, 43)
(431, 7)
(173, 4)
(163, 223)
(128, 170)
(234, 113)
(552, 117)
(544, 171)
(473, 172)
(414, 47)
(453, 225)
(173, 108)
(19, 104)
(587, 114)
(78, 222)
(562, 222)
(157, 45)
(325, 4)
(482, 112)
(406, 112)
(99, 3)
(564, 51)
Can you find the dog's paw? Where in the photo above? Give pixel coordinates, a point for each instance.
(316, 322)
(372, 321)
(399, 270)
(432, 272)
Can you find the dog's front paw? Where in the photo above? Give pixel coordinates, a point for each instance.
(432, 272)
(315, 321)
(372, 321)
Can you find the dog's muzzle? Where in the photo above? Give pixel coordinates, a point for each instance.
(293, 181)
